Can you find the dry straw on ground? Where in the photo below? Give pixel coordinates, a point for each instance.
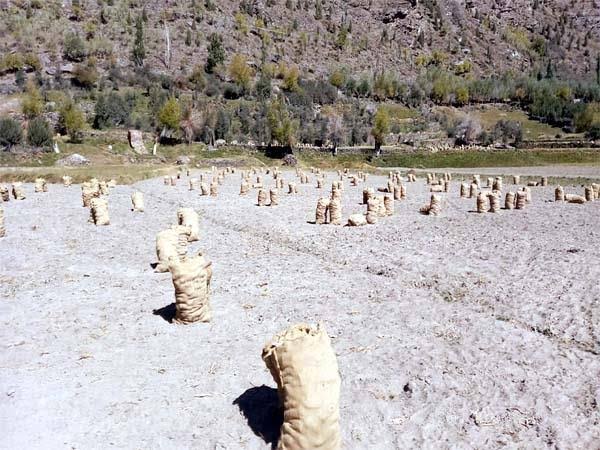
(137, 201)
(304, 366)
(99, 211)
(191, 280)
(171, 243)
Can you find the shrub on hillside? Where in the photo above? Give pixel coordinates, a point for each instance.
(39, 133)
(10, 132)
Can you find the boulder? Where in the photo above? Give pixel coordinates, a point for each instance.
(136, 141)
(73, 160)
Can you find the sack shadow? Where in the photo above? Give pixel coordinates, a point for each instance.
(166, 312)
(260, 406)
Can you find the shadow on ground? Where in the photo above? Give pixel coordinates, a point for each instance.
(260, 407)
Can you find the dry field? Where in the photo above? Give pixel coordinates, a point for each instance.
(460, 331)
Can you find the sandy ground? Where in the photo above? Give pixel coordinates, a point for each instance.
(558, 171)
(460, 331)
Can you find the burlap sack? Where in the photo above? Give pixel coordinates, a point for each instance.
(572, 198)
(589, 194)
(494, 201)
(2, 229)
(490, 182)
(321, 212)
(544, 181)
(367, 194)
(381, 206)
(292, 188)
(166, 180)
(388, 203)
(67, 180)
(319, 183)
(244, 188)
(559, 194)
(5, 193)
(187, 217)
(436, 188)
(137, 201)
(435, 206)
(173, 181)
(204, 190)
(17, 191)
(497, 184)
(213, 189)
(88, 192)
(304, 366)
(357, 220)
(596, 188)
(39, 185)
(191, 280)
(103, 188)
(527, 191)
(521, 199)
(99, 211)
(509, 201)
(516, 179)
(473, 190)
(171, 243)
(481, 203)
(193, 184)
(464, 190)
(262, 198)
(397, 192)
(335, 211)
(274, 197)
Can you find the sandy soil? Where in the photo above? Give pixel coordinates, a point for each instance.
(559, 171)
(459, 331)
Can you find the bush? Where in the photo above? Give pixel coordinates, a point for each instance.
(74, 47)
(11, 62)
(111, 111)
(170, 115)
(39, 133)
(32, 104)
(508, 130)
(10, 132)
(216, 53)
(85, 75)
(240, 72)
(71, 121)
(593, 132)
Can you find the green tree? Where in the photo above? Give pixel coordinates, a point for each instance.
(74, 47)
(381, 127)
(10, 132)
(39, 133)
(169, 117)
(71, 121)
(32, 103)
(240, 72)
(283, 128)
(263, 86)
(139, 51)
(216, 53)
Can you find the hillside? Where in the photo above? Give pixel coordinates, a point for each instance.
(360, 35)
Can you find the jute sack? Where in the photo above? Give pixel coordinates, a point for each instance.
(274, 197)
(381, 206)
(521, 199)
(436, 188)
(509, 201)
(490, 182)
(103, 188)
(559, 194)
(193, 183)
(2, 229)
(335, 211)
(244, 188)
(187, 217)
(357, 220)
(319, 183)
(473, 190)
(191, 282)
(481, 203)
(494, 200)
(39, 185)
(596, 188)
(527, 191)
(173, 181)
(544, 181)
(372, 210)
(321, 212)
(166, 180)
(464, 189)
(204, 190)
(434, 207)
(137, 201)
(571, 198)
(171, 243)
(17, 191)
(367, 194)
(99, 211)
(304, 366)
(213, 189)
(516, 179)
(292, 188)
(88, 192)
(388, 203)
(67, 180)
(262, 197)
(497, 184)
(589, 194)
(5, 193)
